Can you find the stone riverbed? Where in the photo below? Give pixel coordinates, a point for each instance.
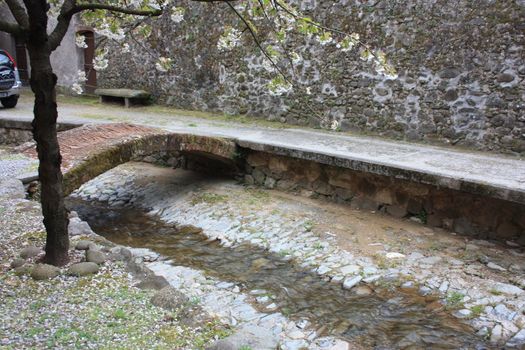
(478, 282)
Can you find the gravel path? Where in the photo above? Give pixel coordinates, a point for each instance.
(15, 165)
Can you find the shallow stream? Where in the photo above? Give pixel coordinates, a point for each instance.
(389, 318)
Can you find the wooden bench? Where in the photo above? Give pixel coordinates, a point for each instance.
(129, 96)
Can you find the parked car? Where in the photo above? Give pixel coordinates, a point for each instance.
(10, 83)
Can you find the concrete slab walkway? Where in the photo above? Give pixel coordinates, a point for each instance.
(493, 175)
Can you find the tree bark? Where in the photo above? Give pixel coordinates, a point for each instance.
(43, 84)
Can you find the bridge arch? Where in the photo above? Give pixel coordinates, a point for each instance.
(93, 149)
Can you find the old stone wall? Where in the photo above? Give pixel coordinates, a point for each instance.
(461, 67)
(461, 212)
(12, 136)
(14, 132)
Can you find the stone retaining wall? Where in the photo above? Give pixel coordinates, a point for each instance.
(461, 212)
(11, 136)
(13, 132)
(461, 67)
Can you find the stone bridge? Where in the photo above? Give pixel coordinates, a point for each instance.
(474, 208)
(93, 149)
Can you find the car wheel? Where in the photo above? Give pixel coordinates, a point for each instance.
(10, 102)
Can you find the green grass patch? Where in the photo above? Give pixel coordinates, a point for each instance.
(208, 197)
(78, 100)
(98, 116)
(476, 310)
(454, 301)
(309, 225)
(495, 292)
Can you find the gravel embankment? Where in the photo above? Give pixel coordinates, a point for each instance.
(98, 311)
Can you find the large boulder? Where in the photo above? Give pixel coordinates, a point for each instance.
(23, 270)
(95, 256)
(223, 344)
(30, 252)
(169, 298)
(120, 254)
(153, 282)
(17, 262)
(78, 227)
(83, 269)
(83, 245)
(250, 336)
(44, 272)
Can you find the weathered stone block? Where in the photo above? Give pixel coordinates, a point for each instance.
(278, 165)
(286, 185)
(363, 203)
(366, 187)
(344, 194)
(312, 171)
(269, 182)
(384, 196)
(435, 220)
(258, 176)
(397, 211)
(464, 226)
(257, 159)
(323, 188)
(341, 178)
(249, 180)
(414, 206)
(507, 230)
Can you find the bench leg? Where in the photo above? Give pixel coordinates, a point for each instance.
(127, 103)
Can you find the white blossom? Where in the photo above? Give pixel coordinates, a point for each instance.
(77, 88)
(80, 41)
(80, 80)
(111, 33)
(289, 20)
(325, 38)
(164, 64)
(125, 48)
(349, 42)
(268, 66)
(177, 14)
(335, 125)
(278, 86)
(240, 7)
(100, 62)
(296, 58)
(81, 76)
(134, 3)
(366, 55)
(230, 38)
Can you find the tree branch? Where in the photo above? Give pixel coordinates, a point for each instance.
(111, 8)
(11, 28)
(254, 36)
(70, 8)
(19, 13)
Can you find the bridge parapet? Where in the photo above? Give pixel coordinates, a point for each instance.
(91, 150)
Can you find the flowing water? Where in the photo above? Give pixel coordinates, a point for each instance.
(390, 318)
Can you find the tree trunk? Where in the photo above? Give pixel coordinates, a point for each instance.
(43, 84)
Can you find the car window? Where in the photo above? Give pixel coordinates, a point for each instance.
(4, 59)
